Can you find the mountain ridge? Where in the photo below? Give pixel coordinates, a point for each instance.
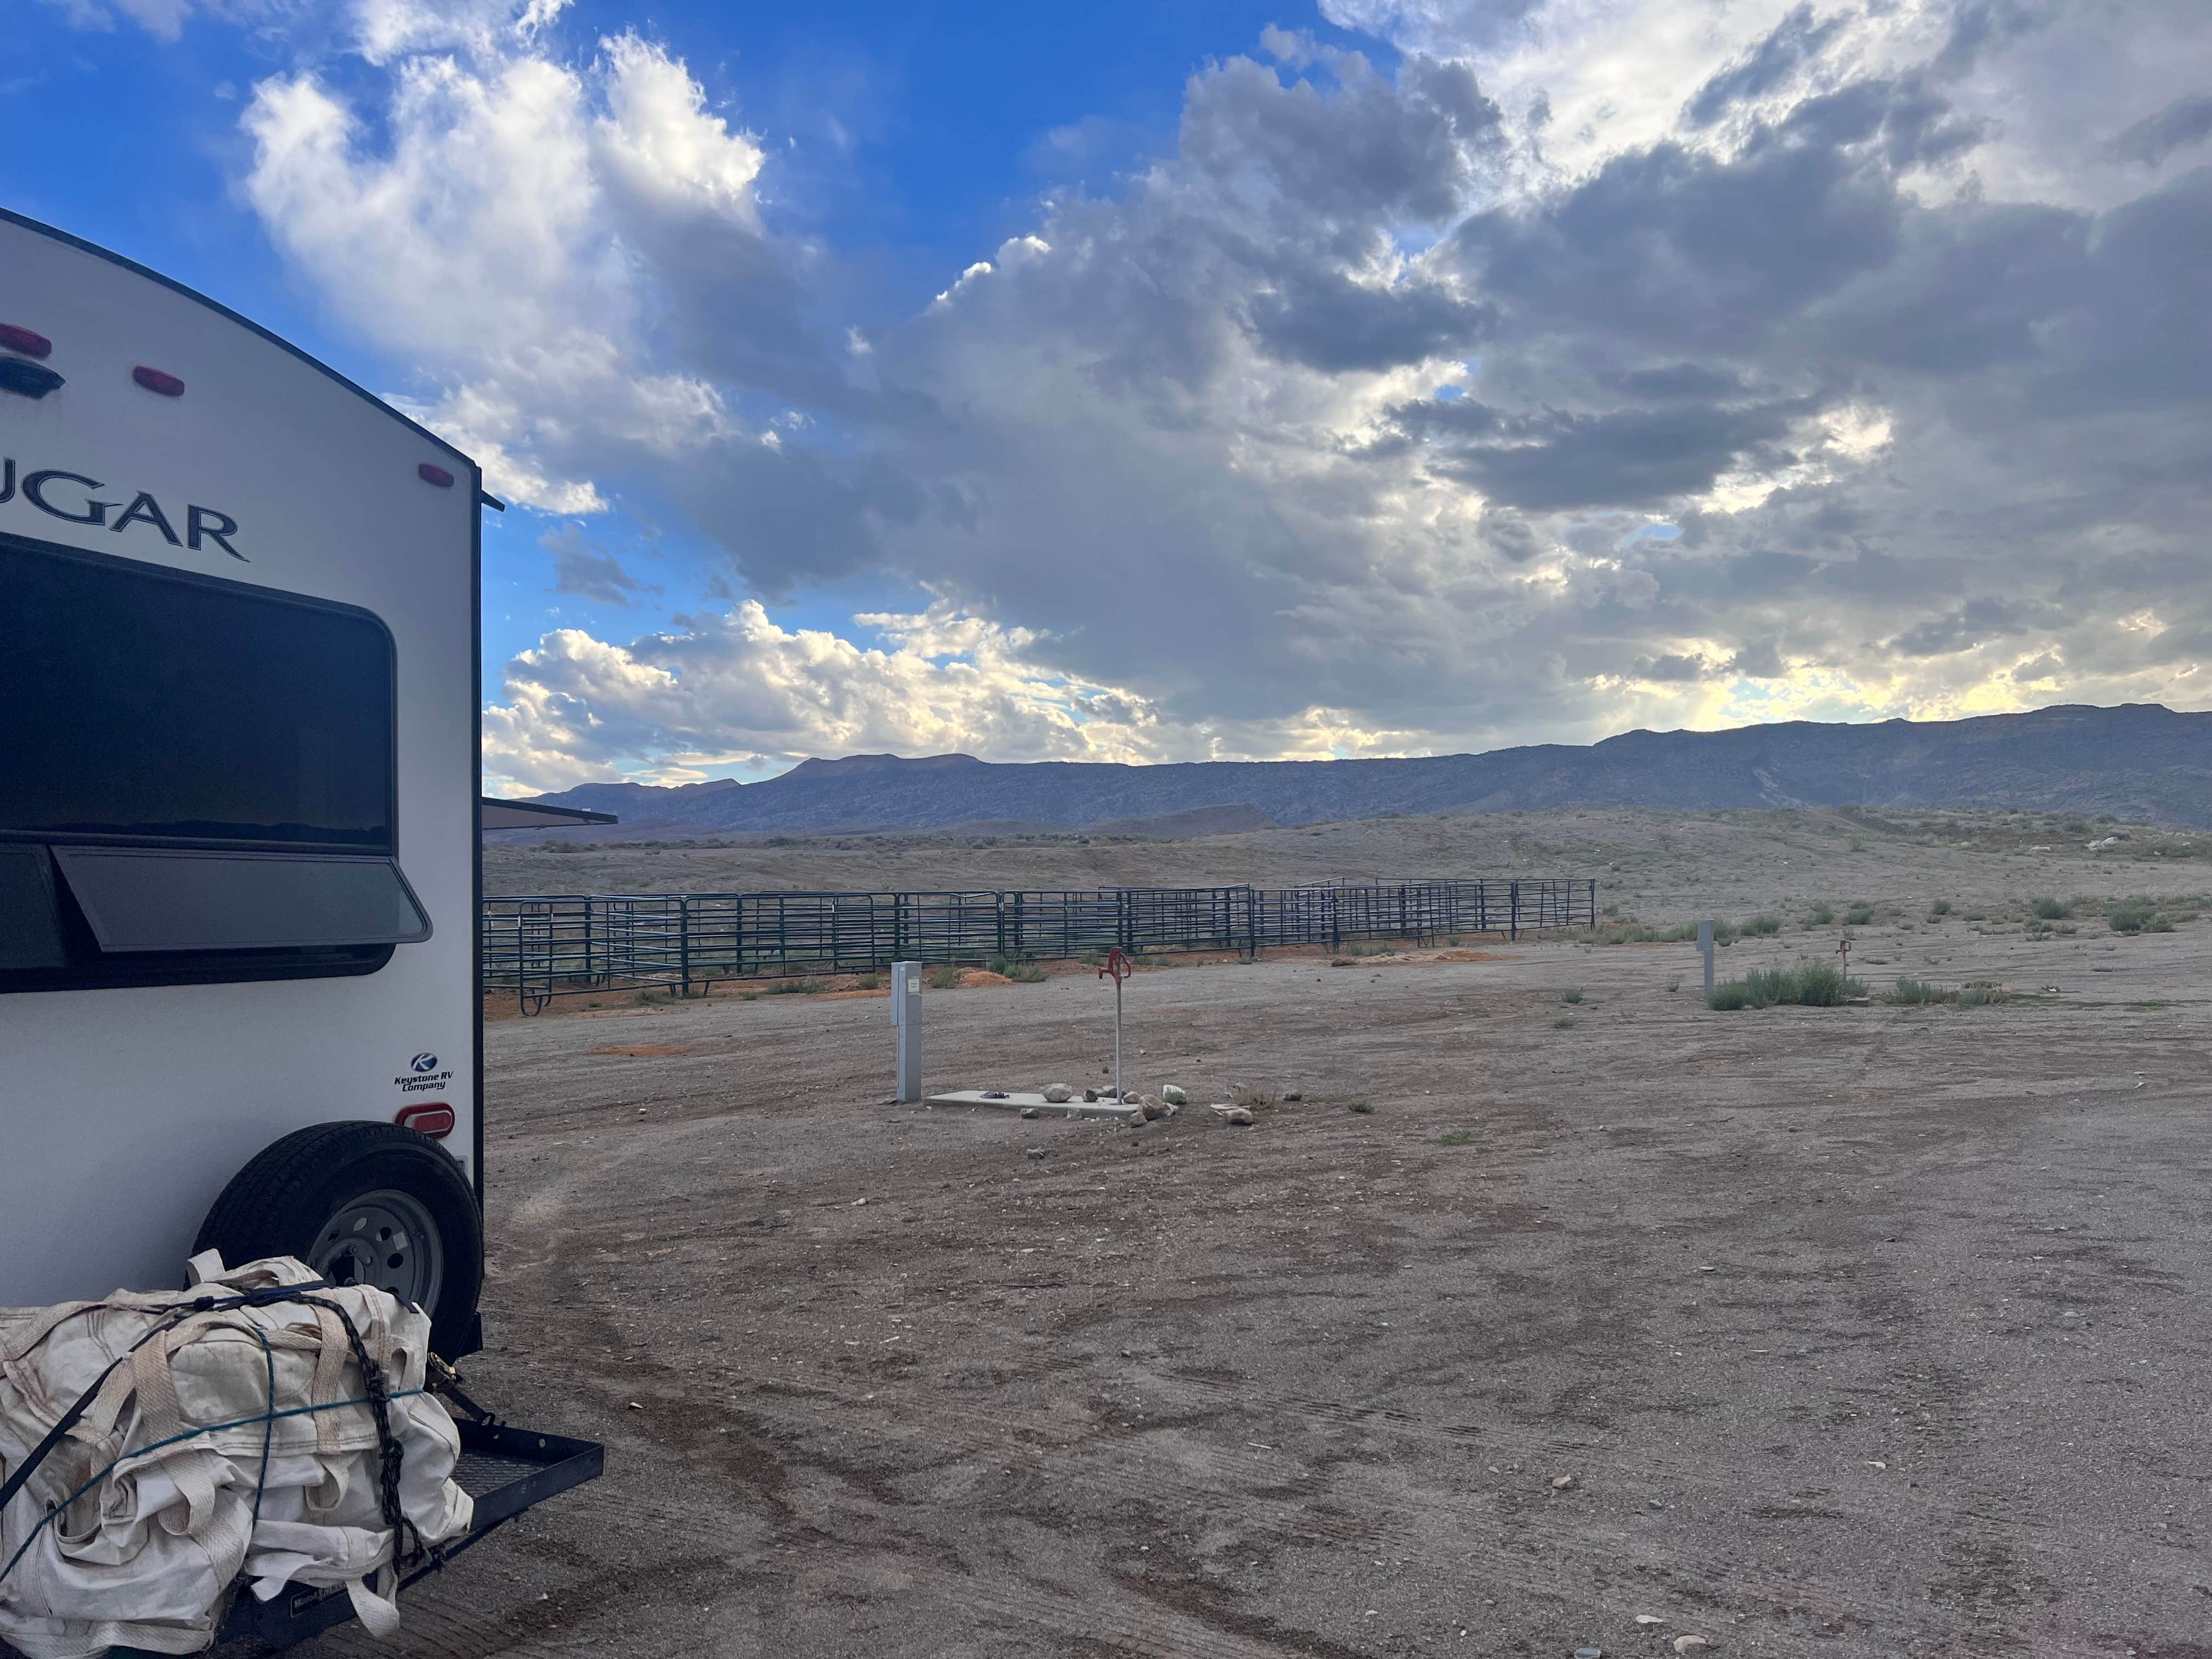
(2139, 761)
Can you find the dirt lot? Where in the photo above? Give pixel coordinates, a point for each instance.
(1859, 1330)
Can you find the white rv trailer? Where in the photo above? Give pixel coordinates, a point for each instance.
(239, 868)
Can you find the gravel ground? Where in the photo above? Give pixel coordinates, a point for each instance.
(1858, 1330)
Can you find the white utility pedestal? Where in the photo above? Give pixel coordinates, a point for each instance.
(906, 1021)
(1705, 950)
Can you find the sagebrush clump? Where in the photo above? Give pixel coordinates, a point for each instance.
(1974, 993)
(1809, 985)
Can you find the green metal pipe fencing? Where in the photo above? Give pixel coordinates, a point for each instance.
(555, 944)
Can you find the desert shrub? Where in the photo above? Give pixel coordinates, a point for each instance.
(1457, 1138)
(1359, 1106)
(1380, 950)
(1940, 908)
(1637, 932)
(1016, 969)
(1570, 997)
(1761, 925)
(795, 988)
(2051, 909)
(943, 979)
(1819, 915)
(2130, 915)
(869, 982)
(1974, 993)
(1563, 1025)
(1822, 985)
(1859, 914)
(1810, 985)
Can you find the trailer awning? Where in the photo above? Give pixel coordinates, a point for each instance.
(530, 814)
(139, 898)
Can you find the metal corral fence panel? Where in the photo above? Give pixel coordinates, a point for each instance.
(555, 944)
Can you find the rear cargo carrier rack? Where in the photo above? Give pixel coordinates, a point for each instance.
(505, 1469)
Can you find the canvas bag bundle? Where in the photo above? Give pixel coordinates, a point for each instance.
(237, 1441)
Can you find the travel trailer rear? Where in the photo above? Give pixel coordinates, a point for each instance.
(238, 805)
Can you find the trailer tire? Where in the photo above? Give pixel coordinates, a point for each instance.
(337, 1194)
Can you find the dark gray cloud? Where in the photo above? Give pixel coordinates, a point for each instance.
(1554, 460)
(1797, 39)
(2184, 122)
(1971, 624)
(1675, 670)
(1327, 321)
(584, 567)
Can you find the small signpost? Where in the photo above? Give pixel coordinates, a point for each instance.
(905, 1020)
(1118, 968)
(1705, 950)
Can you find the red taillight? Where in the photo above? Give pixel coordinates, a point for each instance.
(436, 475)
(432, 1118)
(28, 341)
(154, 380)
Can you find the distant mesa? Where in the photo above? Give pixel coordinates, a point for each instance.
(2138, 762)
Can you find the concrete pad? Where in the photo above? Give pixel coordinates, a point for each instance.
(1017, 1101)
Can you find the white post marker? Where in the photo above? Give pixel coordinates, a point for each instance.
(1705, 950)
(1118, 968)
(905, 1020)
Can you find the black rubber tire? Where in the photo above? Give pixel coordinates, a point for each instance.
(277, 1205)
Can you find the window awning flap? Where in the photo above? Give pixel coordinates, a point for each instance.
(156, 899)
(534, 815)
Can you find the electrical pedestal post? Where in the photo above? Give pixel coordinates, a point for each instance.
(1705, 950)
(906, 1021)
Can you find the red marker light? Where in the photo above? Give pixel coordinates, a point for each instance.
(432, 1118)
(436, 475)
(28, 341)
(154, 380)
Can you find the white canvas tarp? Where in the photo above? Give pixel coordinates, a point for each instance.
(238, 1440)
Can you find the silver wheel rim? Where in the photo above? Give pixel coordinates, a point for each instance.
(385, 1239)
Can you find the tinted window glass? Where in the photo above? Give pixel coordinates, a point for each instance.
(139, 702)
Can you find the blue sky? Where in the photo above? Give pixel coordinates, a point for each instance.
(925, 133)
(1152, 381)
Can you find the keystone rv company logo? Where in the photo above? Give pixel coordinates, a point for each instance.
(69, 497)
(424, 1076)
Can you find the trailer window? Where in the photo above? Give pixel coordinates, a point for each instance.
(199, 778)
(141, 704)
